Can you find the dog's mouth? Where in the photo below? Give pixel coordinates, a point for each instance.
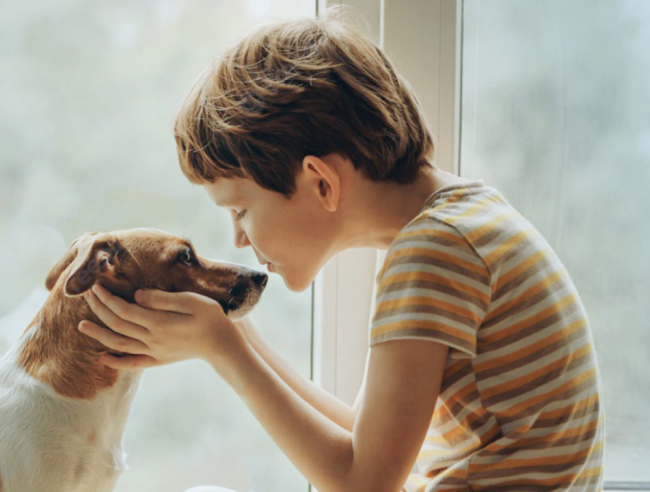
(241, 300)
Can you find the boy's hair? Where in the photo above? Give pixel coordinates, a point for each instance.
(286, 90)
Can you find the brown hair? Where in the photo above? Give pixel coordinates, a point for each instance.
(310, 86)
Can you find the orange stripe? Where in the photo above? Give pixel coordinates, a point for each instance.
(455, 238)
(537, 461)
(504, 360)
(540, 286)
(592, 472)
(554, 480)
(570, 409)
(529, 377)
(508, 245)
(440, 279)
(454, 367)
(455, 473)
(477, 207)
(491, 225)
(547, 438)
(463, 428)
(425, 301)
(486, 437)
(549, 396)
(454, 260)
(522, 325)
(522, 266)
(425, 325)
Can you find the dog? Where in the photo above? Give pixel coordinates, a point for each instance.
(62, 413)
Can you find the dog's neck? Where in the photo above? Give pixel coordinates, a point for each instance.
(54, 352)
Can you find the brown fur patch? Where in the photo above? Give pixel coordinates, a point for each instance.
(122, 261)
(30, 325)
(59, 355)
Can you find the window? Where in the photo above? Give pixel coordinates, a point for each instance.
(88, 92)
(548, 102)
(555, 105)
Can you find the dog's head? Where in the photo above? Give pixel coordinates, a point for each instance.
(126, 260)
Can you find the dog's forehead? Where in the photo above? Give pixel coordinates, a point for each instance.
(145, 236)
(148, 232)
(138, 241)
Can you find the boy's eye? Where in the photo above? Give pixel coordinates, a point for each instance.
(185, 257)
(240, 215)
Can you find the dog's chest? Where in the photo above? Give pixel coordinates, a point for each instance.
(52, 443)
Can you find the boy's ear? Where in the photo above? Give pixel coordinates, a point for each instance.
(324, 179)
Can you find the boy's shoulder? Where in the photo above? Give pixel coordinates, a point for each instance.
(464, 206)
(474, 217)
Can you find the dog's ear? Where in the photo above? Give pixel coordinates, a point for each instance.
(64, 262)
(94, 258)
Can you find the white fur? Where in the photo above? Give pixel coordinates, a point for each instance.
(45, 437)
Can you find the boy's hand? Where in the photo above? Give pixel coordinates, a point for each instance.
(163, 327)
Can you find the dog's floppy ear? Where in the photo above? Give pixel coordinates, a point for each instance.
(94, 258)
(65, 261)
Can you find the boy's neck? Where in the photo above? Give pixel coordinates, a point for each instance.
(380, 210)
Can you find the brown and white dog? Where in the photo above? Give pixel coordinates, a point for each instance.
(62, 413)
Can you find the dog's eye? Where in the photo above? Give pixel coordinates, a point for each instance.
(186, 257)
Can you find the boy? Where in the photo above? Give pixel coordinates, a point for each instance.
(307, 134)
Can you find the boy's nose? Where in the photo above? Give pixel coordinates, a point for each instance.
(241, 240)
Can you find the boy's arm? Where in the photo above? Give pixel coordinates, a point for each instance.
(403, 382)
(327, 404)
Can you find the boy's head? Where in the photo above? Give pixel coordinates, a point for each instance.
(279, 113)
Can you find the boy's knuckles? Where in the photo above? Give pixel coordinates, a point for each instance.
(122, 345)
(121, 326)
(120, 310)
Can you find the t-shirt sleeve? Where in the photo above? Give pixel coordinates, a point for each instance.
(433, 286)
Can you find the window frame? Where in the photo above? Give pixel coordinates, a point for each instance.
(344, 291)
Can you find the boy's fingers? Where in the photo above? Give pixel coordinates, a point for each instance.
(112, 340)
(115, 313)
(177, 302)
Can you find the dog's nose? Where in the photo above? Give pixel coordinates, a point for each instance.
(261, 279)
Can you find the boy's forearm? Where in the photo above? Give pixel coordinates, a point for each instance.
(326, 403)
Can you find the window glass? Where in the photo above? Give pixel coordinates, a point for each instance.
(555, 106)
(88, 91)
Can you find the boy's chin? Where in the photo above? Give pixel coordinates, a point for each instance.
(296, 287)
(295, 284)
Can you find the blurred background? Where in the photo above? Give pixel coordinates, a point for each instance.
(555, 113)
(88, 91)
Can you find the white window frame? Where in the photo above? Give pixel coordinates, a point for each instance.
(344, 290)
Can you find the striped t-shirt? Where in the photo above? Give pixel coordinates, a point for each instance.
(519, 406)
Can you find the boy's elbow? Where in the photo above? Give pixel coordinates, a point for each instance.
(379, 482)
